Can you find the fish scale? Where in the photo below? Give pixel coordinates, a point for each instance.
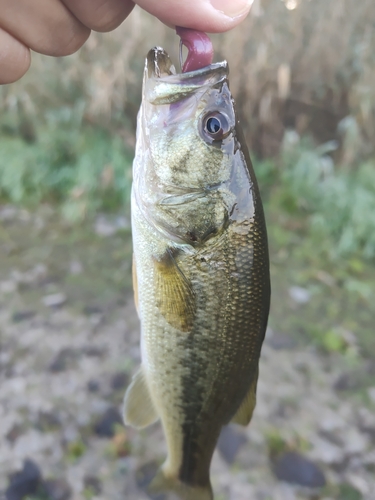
(201, 270)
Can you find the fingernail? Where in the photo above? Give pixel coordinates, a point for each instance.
(232, 8)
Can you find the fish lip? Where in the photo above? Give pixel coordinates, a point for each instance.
(162, 85)
(158, 63)
(159, 66)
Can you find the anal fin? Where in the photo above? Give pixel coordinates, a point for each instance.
(245, 411)
(139, 410)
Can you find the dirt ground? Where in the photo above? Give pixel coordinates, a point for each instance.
(69, 343)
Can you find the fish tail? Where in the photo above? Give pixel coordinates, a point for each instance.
(163, 483)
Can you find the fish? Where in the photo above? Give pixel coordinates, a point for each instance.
(200, 269)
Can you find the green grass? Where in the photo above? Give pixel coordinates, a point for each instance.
(80, 168)
(321, 227)
(330, 206)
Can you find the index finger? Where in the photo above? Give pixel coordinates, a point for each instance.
(14, 58)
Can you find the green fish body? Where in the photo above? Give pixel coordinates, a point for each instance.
(201, 269)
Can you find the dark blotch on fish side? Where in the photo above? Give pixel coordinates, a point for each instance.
(144, 476)
(25, 482)
(296, 469)
(105, 426)
(230, 442)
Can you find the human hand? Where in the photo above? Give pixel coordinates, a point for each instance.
(61, 27)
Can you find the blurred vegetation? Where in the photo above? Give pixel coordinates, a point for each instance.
(82, 168)
(302, 73)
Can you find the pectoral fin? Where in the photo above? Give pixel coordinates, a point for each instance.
(139, 410)
(175, 295)
(245, 411)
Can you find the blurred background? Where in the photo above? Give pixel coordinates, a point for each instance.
(302, 73)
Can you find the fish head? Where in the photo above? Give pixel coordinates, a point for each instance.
(186, 146)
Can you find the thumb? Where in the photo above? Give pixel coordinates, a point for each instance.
(213, 16)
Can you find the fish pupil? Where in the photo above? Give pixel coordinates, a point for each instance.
(213, 125)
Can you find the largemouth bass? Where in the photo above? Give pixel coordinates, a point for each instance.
(201, 269)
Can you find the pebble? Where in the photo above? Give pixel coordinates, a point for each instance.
(230, 442)
(331, 422)
(47, 421)
(144, 475)
(92, 483)
(119, 380)
(105, 426)
(62, 360)
(348, 381)
(358, 482)
(14, 433)
(54, 299)
(20, 316)
(8, 287)
(75, 267)
(57, 489)
(93, 385)
(327, 452)
(297, 469)
(108, 227)
(24, 482)
(33, 442)
(299, 295)
(93, 351)
(8, 213)
(279, 340)
(355, 442)
(371, 394)
(366, 421)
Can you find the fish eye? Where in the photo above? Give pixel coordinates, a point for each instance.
(215, 126)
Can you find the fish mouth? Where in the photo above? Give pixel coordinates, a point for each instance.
(162, 85)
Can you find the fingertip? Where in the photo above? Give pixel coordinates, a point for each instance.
(213, 16)
(234, 11)
(15, 58)
(68, 45)
(100, 15)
